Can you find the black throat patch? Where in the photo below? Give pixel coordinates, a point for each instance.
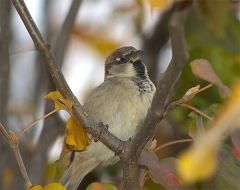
(140, 69)
(142, 81)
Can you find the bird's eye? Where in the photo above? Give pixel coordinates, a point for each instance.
(123, 59)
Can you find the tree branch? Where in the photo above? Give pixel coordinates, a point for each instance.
(54, 125)
(95, 129)
(131, 150)
(153, 44)
(4, 59)
(63, 37)
(166, 81)
(12, 141)
(4, 79)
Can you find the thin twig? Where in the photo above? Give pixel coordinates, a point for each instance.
(12, 141)
(35, 122)
(200, 90)
(181, 103)
(169, 108)
(171, 143)
(196, 110)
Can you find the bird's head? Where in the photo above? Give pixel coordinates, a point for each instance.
(125, 62)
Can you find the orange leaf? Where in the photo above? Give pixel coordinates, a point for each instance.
(101, 186)
(76, 136)
(235, 141)
(60, 102)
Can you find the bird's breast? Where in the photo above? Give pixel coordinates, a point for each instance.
(120, 104)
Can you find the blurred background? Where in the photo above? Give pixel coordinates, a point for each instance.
(81, 36)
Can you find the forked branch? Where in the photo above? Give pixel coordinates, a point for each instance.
(130, 151)
(44, 48)
(155, 114)
(12, 141)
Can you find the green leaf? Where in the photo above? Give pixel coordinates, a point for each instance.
(196, 125)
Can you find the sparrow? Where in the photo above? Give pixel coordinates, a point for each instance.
(121, 102)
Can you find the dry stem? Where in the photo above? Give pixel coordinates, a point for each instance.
(12, 141)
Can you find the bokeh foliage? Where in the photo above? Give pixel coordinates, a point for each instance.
(212, 33)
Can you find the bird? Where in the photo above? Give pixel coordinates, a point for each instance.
(121, 102)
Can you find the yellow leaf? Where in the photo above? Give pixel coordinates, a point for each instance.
(97, 40)
(60, 102)
(160, 4)
(76, 136)
(237, 58)
(36, 187)
(197, 163)
(7, 177)
(49, 173)
(54, 186)
(236, 94)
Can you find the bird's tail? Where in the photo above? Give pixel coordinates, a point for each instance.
(75, 185)
(65, 180)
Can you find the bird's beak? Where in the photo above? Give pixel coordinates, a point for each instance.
(137, 55)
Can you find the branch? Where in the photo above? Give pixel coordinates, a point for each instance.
(153, 44)
(34, 123)
(172, 142)
(4, 79)
(12, 141)
(93, 128)
(166, 80)
(49, 135)
(196, 110)
(4, 59)
(63, 37)
(130, 153)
